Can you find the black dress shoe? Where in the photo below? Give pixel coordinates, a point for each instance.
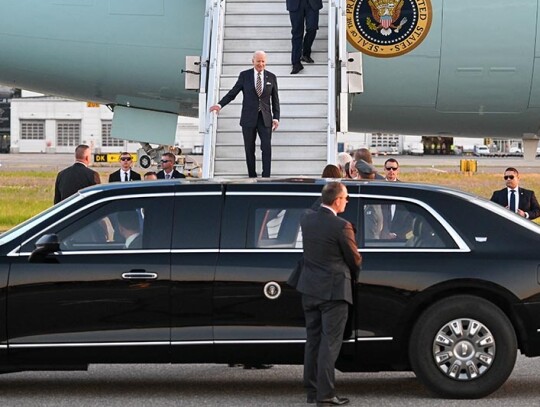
(311, 399)
(307, 59)
(297, 68)
(334, 401)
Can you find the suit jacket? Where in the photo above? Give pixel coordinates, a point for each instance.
(292, 5)
(269, 100)
(527, 201)
(71, 179)
(133, 176)
(331, 258)
(401, 224)
(175, 174)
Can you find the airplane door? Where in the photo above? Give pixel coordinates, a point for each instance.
(475, 76)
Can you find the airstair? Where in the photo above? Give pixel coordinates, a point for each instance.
(310, 101)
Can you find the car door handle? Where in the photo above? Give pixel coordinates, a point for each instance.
(139, 275)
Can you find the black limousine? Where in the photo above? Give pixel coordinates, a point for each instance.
(450, 284)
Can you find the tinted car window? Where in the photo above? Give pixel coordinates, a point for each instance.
(197, 221)
(144, 222)
(278, 227)
(388, 223)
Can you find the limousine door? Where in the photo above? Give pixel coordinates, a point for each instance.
(95, 300)
(195, 250)
(261, 243)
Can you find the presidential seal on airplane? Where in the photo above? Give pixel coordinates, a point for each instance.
(387, 28)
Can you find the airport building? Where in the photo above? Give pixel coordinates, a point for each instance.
(50, 124)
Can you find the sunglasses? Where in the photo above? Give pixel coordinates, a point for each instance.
(391, 168)
(508, 177)
(165, 161)
(126, 158)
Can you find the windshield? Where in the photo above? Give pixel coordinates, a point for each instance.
(30, 223)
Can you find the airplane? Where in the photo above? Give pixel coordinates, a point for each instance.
(475, 73)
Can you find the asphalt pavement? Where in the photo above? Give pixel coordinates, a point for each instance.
(219, 385)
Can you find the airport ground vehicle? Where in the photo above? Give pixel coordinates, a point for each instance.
(453, 299)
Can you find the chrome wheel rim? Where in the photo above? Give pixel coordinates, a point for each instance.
(464, 349)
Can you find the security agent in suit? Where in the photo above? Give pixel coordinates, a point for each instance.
(70, 180)
(524, 202)
(125, 173)
(260, 114)
(397, 221)
(167, 167)
(331, 263)
(303, 14)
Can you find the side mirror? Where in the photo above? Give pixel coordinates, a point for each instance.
(45, 245)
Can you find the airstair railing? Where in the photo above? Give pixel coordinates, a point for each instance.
(337, 75)
(333, 37)
(211, 62)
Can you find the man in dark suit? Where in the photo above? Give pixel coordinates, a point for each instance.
(331, 264)
(397, 220)
(125, 173)
(70, 180)
(129, 227)
(167, 167)
(260, 111)
(519, 200)
(303, 14)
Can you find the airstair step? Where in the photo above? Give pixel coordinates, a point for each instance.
(296, 168)
(267, 45)
(281, 70)
(286, 124)
(269, 20)
(290, 82)
(289, 97)
(278, 152)
(273, 58)
(279, 138)
(282, 33)
(286, 110)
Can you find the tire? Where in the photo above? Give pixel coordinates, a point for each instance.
(145, 161)
(463, 347)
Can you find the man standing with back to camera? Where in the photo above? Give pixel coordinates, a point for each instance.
(260, 111)
(71, 179)
(304, 15)
(331, 265)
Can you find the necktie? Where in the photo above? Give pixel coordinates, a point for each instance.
(126, 177)
(167, 176)
(258, 87)
(513, 200)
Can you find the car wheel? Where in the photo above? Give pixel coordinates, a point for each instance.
(145, 161)
(463, 347)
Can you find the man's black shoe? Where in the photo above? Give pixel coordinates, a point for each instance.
(307, 59)
(297, 68)
(334, 401)
(311, 399)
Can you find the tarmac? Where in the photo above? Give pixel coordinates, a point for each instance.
(426, 163)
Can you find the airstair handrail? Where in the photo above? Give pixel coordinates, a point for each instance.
(343, 76)
(210, 73)
(333, 7)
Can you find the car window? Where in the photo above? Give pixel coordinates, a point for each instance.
(278, 227)
(197, 221)
(123, 224)
(388, 224)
